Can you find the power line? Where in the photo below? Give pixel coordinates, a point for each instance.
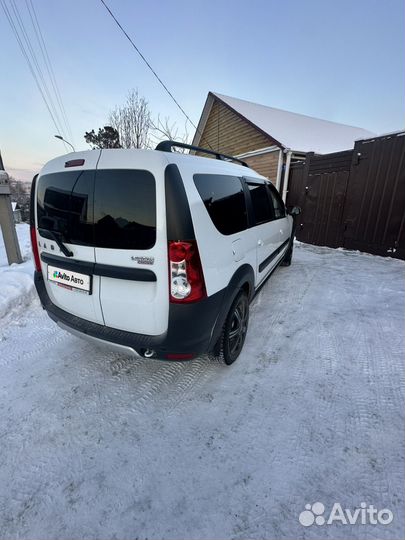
(29, 63)
(31, 50)
(24, 53)
(151, 68)
(48, 64)
(32, 61)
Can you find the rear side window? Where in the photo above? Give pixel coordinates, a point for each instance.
(224, 199)
(262, 209)
(278, 205)
(65, 205)
(125, 209)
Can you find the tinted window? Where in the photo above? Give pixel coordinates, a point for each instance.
(260, 202)
(116, 211)
(278, 205)
(224, 200)
(65, 205)
(125, 209)
(81, 210)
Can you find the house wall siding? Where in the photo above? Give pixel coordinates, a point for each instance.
(265, 164)
(226, 132)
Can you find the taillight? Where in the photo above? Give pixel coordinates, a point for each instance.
(185, 273)
(35, 251)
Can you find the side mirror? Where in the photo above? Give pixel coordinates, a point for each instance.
(296, 211)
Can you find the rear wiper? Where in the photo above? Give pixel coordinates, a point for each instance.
(57, 237)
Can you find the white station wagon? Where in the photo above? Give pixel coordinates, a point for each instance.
(156, 252)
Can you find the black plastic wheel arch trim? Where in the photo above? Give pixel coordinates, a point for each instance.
(98, 269)
(243, 275)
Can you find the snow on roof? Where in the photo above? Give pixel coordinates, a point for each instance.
(297, 131)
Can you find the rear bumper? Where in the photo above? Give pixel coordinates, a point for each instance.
(108, 345)
(190, 328)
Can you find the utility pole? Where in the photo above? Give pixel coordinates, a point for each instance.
(7, 219)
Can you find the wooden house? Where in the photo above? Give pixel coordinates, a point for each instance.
(269, 139)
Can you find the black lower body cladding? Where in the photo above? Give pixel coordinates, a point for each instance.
(189, 331)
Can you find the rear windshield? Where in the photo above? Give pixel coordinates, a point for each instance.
(107, 208)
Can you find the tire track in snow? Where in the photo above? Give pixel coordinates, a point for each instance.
(46, 337)
(384, 370)
(145, 379)
(173, 383)
(192, 379)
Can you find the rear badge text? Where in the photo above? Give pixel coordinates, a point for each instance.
(144, 260)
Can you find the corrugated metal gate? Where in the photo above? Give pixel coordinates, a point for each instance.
(319, 187)
(353, 199)
(374, 212)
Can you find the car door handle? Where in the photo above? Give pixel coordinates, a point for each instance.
(260, 242)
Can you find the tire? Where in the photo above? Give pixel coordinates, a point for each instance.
(288, 256)
(232, 339)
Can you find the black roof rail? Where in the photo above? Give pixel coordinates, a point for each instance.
(166, 146)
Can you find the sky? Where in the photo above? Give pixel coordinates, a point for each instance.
(339, 60)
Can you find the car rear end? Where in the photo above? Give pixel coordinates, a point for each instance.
(100, 244)
(110, 264)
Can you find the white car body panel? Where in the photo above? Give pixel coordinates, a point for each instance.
(142, 307)
(136, 306)
(86, 306)
(217, 250)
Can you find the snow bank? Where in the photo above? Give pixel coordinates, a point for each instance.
(17, 284)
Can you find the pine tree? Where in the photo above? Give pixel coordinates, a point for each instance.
(107, 137)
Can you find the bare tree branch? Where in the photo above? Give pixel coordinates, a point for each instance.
(163, 129)
(133, 121)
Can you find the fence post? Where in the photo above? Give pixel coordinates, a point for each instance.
(7, 221)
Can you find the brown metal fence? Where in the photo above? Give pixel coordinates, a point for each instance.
(353, 199)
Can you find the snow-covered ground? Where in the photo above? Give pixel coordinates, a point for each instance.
(98, 445)
(16, 283)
